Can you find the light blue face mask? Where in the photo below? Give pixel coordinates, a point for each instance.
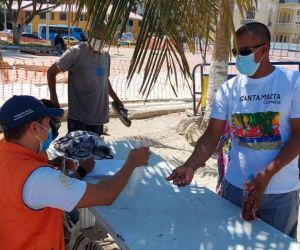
(246, 65)
(44, 145)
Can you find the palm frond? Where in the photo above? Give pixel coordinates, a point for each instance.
(159, 44)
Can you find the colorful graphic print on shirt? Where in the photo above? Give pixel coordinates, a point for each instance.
(258, 131)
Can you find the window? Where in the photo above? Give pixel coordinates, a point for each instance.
(251, 14)
(298, 17)
(28, 28)
(83, 17)
(289, 1)
(130, 22)
(270, 19)
(62, 16)
(43, 15)
(27, 14)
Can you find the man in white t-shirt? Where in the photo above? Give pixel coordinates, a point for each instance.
(34, 193)
(262, 107)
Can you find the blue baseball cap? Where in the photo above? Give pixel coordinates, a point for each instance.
(20, 109)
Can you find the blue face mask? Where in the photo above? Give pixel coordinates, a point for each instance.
(44, 145)
(246, 65)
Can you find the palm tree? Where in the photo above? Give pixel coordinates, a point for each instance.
(219, 64)
(165, 22)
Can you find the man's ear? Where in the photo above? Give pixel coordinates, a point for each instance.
(266, 47)
(33, 126)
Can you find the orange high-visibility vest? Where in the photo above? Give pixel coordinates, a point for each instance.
(21, 227)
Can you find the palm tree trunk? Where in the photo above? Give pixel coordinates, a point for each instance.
(17, 31)
(219, 65)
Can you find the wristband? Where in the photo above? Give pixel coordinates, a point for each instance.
(81, 171)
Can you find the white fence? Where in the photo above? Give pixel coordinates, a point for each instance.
(29, 77)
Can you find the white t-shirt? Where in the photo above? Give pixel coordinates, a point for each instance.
(258, 112)
(47, 187)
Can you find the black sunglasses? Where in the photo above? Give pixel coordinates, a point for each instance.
(245, 51)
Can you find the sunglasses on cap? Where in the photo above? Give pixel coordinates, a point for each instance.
(245, 51)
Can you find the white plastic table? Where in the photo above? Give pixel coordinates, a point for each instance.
(162, 216)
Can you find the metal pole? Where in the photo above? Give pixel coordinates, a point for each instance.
(47, 22)
(70, 15)
(5, 23)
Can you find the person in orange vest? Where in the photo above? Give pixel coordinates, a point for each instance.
(33, 193)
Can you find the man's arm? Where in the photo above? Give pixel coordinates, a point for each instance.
(114, 96)
(51, 77)
(105, 192)
(287, 153)
(85, 166)
(47, 187)
(207, 144)
(205, 147)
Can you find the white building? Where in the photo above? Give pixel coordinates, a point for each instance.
(281, 16)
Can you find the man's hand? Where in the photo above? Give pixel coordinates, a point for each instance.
(119, 103)
(56, 161)
(181, 176)
(70, 164)
(257, 186)
(51, 78)
(88, 163)
(138, 157)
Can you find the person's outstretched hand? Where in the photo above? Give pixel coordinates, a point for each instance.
(88, 163)
(138, 157)
(181, 176)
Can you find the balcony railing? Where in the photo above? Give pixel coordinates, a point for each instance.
(245, 21)
(289, 1)
(290, 27)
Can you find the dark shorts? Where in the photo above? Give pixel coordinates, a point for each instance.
(278, 210)
(74, 125)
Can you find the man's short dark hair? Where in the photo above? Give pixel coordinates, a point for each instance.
(257, 29)
(17, 132)
(49, 104)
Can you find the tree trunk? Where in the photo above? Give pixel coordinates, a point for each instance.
(17, 32)
(218, 71)
(219, 65)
